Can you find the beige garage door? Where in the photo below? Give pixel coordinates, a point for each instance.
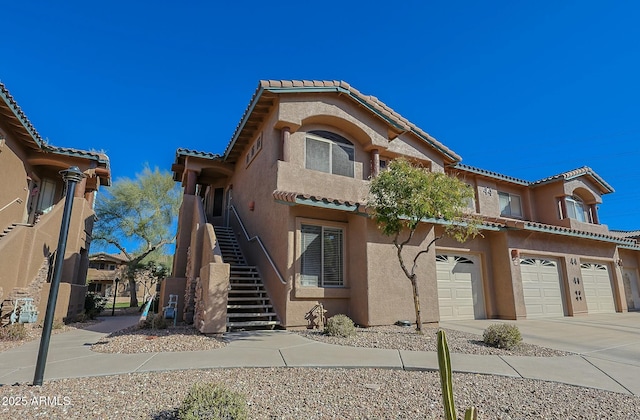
(541, 287)
(597, 288)
(460, 294)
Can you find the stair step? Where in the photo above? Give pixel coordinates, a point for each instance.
(245, 285)
(244, 278)
(263, 306)
(249, 314)
(247, 299)
(247, 295)
(246, 292)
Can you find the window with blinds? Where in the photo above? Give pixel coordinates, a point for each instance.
(321, 258)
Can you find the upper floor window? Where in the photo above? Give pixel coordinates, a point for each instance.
(329, 152)
(576, 209)
(510, 205)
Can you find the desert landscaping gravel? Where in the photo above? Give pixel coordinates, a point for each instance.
(298, 393)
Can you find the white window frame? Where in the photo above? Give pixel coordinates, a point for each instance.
(577, 209)
(299, 251)
(510, 197)
(332, 144)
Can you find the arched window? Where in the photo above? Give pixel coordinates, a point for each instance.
(577, 210)
(329, 152)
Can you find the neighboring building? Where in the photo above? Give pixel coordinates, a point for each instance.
(103, 271)
(292, 185)
(105, 268)
(32, 194)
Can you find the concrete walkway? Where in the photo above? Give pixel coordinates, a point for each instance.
(70, 355)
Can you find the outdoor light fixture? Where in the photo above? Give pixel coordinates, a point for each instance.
(115, 293)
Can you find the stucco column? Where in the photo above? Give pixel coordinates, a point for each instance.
(375, 163)
(89, 195)
(190, 187)
(594, 214)
(286, 144)
(80, 188)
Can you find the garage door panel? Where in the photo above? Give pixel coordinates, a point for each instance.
(541, 287)
(597, 288)
(460, 294)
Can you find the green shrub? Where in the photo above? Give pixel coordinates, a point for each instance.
(503, 336)
(340, 326)
(212, 401)
(94, 305)
(13, 332)
(154, 322)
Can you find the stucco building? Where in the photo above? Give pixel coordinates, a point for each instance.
(103, 271)
(32, 194)
(291, 187)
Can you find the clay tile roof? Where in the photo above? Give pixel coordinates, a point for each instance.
(13, 106)
(528, 225)
(625, 233)
(291, 197)
(490, 174)
(196, 153)
(68, 151)
(585, 170)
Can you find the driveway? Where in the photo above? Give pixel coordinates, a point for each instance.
(599, 337)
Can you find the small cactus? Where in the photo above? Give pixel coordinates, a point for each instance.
(444, 364)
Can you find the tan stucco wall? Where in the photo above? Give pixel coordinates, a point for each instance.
(14, 184)
(213, 295)
(70, 301)
(29, 245)
(390, 291)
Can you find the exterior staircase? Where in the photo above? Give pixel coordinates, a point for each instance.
(248, 306)
(9, 228)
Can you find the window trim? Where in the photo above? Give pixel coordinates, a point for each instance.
(573, 203)
(301, 291)
(316, 136)
(510, 214)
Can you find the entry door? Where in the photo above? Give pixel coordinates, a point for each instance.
(632, 294)
(227, 208)
(47, 194)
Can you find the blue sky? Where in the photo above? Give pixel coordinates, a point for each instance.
(526, 89)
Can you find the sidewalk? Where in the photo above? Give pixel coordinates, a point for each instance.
(70, 357)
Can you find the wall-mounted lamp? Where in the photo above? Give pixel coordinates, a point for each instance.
(515, 256)
(252, 205)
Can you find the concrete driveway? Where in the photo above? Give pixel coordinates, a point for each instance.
(599, 337)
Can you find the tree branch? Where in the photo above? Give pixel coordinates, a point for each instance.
(424, 251)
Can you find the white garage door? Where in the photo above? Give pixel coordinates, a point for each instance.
(597, 288)
(460, 294)
(541, 287)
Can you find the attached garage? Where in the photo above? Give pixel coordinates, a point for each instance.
(460, 293)
(541, 287)
(597, 288)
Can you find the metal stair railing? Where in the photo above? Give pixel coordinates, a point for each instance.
(257, 239)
